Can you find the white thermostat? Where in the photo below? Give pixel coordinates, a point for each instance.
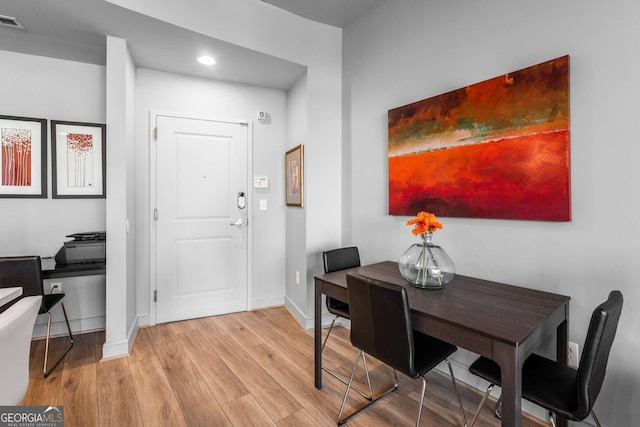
(262, 115)
(260, 182)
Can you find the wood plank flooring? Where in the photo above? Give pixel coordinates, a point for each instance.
(243, 369)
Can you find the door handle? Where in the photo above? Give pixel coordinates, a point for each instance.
(239, 222)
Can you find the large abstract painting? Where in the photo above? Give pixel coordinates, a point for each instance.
(494, 149)
(23, 157)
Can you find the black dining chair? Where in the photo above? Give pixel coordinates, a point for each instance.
(381, 326)
(26, 272)
(561, 389)
(336, 260)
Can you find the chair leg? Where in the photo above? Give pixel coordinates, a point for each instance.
(371, 402)
(46, 346)
(328, 333)
(346, 393)
(338, 377)
(552, 420)
(343, 381)
(496, 409)
(366, 371)
(481, 405)
(455, 388)
(424, 387)
(324, 343)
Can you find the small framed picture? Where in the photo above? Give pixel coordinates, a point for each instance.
(294, 174)
(23, 159)
(78, 157)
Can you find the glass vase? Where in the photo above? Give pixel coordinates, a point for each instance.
(426, 265)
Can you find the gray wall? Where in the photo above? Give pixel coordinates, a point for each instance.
(266, 29)
(296, 254)
(405, 51)
(52, 89)
(165, 92)
(122, 320)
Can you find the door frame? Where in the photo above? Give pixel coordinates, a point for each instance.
(153, 202)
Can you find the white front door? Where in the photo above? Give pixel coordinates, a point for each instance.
(201, 225)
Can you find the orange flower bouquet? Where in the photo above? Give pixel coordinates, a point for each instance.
(424, 222)
(424, 264)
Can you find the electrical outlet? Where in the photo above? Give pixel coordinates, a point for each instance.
(573, 357)
(56, 287)
(297, 277)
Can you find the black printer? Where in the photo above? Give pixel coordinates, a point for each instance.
(84, 248)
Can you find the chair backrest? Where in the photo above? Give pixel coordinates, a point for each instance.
(24, 272)
(595, 354)
(381, 322)
(16, 329)
(341, 259)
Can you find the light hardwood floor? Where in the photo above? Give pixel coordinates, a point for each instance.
(243, 369)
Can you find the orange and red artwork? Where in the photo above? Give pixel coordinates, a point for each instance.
(16, 157)
(80, 160)
(494, 149)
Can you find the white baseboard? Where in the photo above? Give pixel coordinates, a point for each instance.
(121, 348)
(115, 349)
(144, 320)
(60, 328)
(267, 302)
(307, 321)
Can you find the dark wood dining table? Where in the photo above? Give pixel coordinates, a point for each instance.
(503, 322)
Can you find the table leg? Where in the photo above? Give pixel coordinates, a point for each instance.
(562, 343)
(317, 334)
(510, 362)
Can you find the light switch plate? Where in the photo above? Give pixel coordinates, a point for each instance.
(260, 182)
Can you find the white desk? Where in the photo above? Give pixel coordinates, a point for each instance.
(9, 294)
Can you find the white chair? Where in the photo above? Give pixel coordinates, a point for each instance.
(16, 329)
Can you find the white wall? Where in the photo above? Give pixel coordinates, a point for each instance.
(296, 239)
(121, 324)
(261, 27)
(267, 29)
(405, 51)
(164, 92)
(52, 89)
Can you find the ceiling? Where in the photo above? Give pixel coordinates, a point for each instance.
(75, 30)
(338, 13)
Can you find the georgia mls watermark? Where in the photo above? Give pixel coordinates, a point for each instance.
(31, 416)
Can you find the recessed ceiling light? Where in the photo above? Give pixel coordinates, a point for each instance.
(206, 60)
